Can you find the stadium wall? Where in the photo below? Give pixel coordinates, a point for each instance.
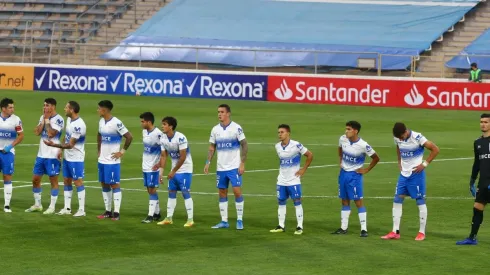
(433, 93)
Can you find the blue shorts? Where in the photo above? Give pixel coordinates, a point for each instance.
(350, 185)
(43, 166)
(285, 192)
(413, 186)
(180, 182)
(109, 173)
(151, 179)
(73, 169)
(7, 163)
(223, 179)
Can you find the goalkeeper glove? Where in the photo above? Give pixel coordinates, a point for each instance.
(472, 187)
(7, 148)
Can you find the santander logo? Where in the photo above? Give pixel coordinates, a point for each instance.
(283, 92)
(414, 98)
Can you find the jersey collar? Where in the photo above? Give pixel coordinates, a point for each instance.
(224, 127)
(352, 142)
(4, 118)
(409, 135)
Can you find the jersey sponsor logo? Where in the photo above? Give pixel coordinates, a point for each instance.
(77, 129)
(349, 158)
(174, 155)
(106, 138)
(181, 140)
(407, 154)
(59, 121)
(5, 135)
(484, 156)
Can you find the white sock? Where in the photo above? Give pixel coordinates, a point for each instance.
(223, 210)
(299, 215)
(151, 207)
(189, 206)
(7, 192)
(363, 220)
(281, 211)
(397, 216)
(157, 208)
(344, 219)
(239, 210)
(37, 199)
(422, 217)
(53, 202)
(81, 200)
(117, 201)
(171, 203)
(107, 200)
(68, 195)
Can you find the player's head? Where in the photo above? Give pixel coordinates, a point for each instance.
(105, 107)
(474, 66)
(283, 132)
(485, 122)
(352, 129)
(400, 131)
(224, 112)
(169, 124)
(147, 120)
(72, 108)
(7, 106)
(50, 104)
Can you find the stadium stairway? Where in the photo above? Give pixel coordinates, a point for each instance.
(432, 63)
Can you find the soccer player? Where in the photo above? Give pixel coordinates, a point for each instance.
(352, 153)
(48, 158)
(228, 138)
(290, 172)
(111, 131)
(11, 134)
(481, 164)
(73, 159)
(151, 159)
(411, 182)
(176, 145)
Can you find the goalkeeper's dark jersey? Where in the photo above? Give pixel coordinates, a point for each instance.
(482, 162)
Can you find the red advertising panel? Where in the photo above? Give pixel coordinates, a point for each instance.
(376, 92)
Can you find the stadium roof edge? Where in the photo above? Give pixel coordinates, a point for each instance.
(392, 3)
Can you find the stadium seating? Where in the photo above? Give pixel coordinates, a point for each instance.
(478, 51)
(396, 29)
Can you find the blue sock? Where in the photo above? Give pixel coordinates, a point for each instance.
(68, 188)
(7, 182)
(154, 197)
(80, 188)
(54, 192)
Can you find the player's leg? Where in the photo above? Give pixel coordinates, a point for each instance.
(416, 188)
(172, 188)
(37, 174)
(400, 192)
(78, 173)
(222, 182)
(151, 182)
(52, 167)
(67, 188)
(295, 194)
(236, 183)
(358, 200)
(482, 197)
(282, 196)
(7, 168)
(185, 182)
(345, 201)
(114, 173)
(106, 191)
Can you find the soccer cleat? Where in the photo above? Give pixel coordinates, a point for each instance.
(222, 224)
(467, 241)
(166, 221)
(7, 209)
(64, 212)
(116, 216)
(278, 229)
(364, 234)
(420, 237)
(34, 209)
(340, 231)
(239, 225)
(148, 219)
(189, 223)
(157, 217)
(106, 215)
(49, 211)
(391, 236)
(80, 213)
(298, 231)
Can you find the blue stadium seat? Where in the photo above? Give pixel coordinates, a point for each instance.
(478, 51)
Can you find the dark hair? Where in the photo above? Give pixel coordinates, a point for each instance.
(106, 104)
(170, 121)
(75, 106)
(51, 101)
(474, 65)
(226, 106)
(485, 115)
(284, 126)
(354, 125)
(399, 129)
(4, 103)
(148, 116)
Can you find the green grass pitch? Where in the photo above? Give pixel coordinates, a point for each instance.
(31, 243)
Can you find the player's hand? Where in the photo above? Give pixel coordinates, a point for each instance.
(300, 173)
(419, 168)
(206, 169)
(155, 167)
(48, 142)
(46, 113)
(362, 171)
(473, 190)
(171, 175)
(116, 155)
(59, 155)
(241, 169)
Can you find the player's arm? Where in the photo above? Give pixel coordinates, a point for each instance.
(374, 160)
(399, 157)
(99, 142)
(434, 151)
(244, 150)
(309, 158)
(63, 146)
(475, 170)
(18, 139)
(211, 150)
(50, 130)
(183, 156)
(39, 128)
(128, 138)
(339, 149)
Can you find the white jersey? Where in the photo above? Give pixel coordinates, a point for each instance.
(152, 148)
(57, 123)
(173, 146)
(9, 127)
(111, 132)
(227, 140)
(78, 130)
(411, 152)
(289, 162)
(354, 153)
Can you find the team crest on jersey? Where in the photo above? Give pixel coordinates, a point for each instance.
(120, 125)
(181, 140)
(418, 137)
(368, 148)
(59, 121)
(299, 145)
(240, 131)
(77, 129)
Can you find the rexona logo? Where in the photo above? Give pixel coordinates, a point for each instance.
(414, 98)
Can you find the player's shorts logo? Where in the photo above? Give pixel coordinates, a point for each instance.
(414, 98)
